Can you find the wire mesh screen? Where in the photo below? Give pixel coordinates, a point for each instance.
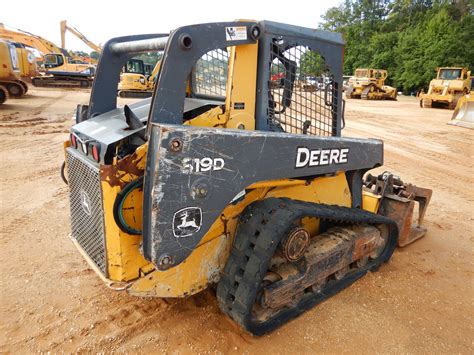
(301, 91)
(210, 74)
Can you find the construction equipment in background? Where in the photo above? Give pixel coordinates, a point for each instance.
(135, 82)
(27, 62)
(450, 85)
(369, 84)
(224, 178)
(61, 70)
(463, 114)
(3, 94)
(10, 80)
(64, 27)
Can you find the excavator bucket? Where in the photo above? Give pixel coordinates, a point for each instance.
(463, 114)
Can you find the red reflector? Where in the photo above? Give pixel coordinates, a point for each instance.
(95, 152)
(73, 141)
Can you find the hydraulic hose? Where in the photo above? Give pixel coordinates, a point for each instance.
(63, 173)
(118, 206)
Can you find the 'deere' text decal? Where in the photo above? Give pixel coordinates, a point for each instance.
(318, 157)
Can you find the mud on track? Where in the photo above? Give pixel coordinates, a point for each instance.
(422, 301)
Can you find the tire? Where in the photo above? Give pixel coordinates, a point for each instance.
(3, 95)
(25, 86)
(15, 90)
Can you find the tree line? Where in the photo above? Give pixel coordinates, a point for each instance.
(409, 38)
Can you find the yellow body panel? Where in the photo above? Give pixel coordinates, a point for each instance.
(9, 66)
(125, 262)
(27, 61)
(206, 262)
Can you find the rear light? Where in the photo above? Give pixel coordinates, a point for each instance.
(73, 140)
(96, 152)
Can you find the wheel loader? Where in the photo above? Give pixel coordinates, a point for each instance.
(224, 179)
(11, 84)
(369, 84)
(450, 84)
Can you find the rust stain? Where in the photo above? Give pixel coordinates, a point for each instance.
(114, 174)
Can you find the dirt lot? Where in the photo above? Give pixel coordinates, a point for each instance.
(422, 301)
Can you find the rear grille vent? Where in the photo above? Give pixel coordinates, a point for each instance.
(87, 216)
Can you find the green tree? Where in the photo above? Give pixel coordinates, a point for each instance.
(312, 64)
(409, 38)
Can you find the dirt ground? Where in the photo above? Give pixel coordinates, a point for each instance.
(420, 302)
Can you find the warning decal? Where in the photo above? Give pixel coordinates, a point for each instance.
(238, 33)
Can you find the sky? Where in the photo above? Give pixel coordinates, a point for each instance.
(100, 20)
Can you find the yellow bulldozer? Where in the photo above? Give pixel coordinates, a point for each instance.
(11, 84)
(222, 178)
(450, 84)
(369, 84)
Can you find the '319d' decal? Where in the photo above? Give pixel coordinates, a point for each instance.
(306, 157)
(202, 164)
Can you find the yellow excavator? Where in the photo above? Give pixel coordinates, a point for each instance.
(60, 69)
(136, 80)
(450, 84)
(11, 84)
(369, 84)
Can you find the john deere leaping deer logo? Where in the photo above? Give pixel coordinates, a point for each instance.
(187, 221)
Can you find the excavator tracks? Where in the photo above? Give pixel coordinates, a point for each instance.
(134, 94)
(260, 299)
(62, 82)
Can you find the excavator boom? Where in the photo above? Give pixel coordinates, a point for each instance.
(75, 32)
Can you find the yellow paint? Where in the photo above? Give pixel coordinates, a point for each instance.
(203, 266)
(241, 84)
(370, 201)
(124, 260)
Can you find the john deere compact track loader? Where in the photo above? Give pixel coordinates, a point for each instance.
(222, 178)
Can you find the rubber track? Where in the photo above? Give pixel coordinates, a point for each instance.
(262, 226)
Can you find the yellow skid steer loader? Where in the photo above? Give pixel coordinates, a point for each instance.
(222, 178)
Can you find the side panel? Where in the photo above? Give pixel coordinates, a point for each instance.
(194, 173)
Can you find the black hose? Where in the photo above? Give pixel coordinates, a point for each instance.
(118, 206)
(63, 173)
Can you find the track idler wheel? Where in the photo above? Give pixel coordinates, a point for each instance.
(295, 244)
